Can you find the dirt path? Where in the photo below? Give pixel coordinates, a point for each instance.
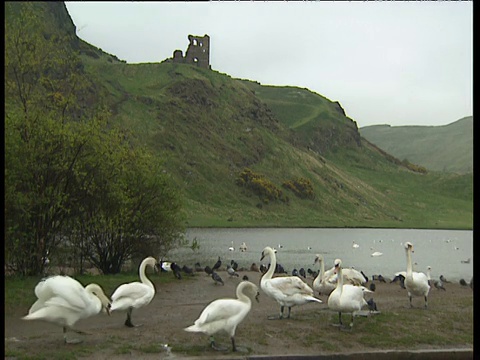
(177, 304)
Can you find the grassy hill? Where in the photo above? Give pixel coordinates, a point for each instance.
(447, 148)
(207, 128)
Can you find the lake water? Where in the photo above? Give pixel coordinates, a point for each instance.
(443, 250)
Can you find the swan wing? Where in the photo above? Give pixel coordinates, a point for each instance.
(290, 285)
(134, 294)
(353, 276)
(62, 291)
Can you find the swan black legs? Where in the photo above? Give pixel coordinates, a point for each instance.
(74, 341)
(426, 303)
(128, 322)
(218, 348)
(234, 348)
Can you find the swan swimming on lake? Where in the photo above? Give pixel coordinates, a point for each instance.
(355, 245)
(226, 314)
(346, 298)
(416, 283)
(231, 248)
(62, 300)
(376, 253)
(286, 290)
(136, 294)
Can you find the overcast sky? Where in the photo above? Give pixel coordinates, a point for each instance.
(386, 62)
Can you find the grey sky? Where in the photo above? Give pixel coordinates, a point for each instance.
(386, 62)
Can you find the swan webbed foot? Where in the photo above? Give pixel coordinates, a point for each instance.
(214, 346)
(130, 325)
(274, 317)
(81, 332)
(72, 341)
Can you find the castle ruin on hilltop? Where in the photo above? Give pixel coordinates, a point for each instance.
(198, 52)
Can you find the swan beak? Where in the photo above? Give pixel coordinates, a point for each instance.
(316, 260)
(108, 309)
(263, 255)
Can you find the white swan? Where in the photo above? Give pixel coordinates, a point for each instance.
(226, 314)
(346, 298)
(231, 248)
(62, 300)
(326, 281)
(287, 290)
(136, 294)
(376, 253)
(243, 247)
(355, 245)
(416, 283)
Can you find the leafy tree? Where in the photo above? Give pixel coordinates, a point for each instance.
(71, 179)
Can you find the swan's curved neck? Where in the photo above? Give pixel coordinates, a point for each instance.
(339, 279)
(143, 276)
(409, 262)
(273, 265)
(322, 267)
(241, 295)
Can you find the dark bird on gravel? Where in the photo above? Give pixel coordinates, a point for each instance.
(208, 270)
(263, 268)
(231, 271)
(399, 278)
(217, 264)
(463, 282)
(381, 279)
(176, 270)
(234, 265)
(245, 278)
(198, 267)
(302, 273)
(294, 272)
(254, 267)
(217, 278)
(187, 270)
(372, 306)
(442, 278)
(439, 285)
(372, 286)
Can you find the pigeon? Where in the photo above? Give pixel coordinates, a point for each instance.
(187, 270)
(208, 270)
(372, 305)
(439, 285)
(217, 264)
(372, 286)
(176, 270)
(442, 278)
(198, 267)
(231, 271)
(217, 278)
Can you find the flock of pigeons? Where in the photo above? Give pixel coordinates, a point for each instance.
(63, 300)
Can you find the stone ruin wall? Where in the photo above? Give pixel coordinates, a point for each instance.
(198, 52)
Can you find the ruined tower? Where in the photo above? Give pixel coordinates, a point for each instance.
(198, 52)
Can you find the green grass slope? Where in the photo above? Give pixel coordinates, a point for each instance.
(447, 148)
(207, 127)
